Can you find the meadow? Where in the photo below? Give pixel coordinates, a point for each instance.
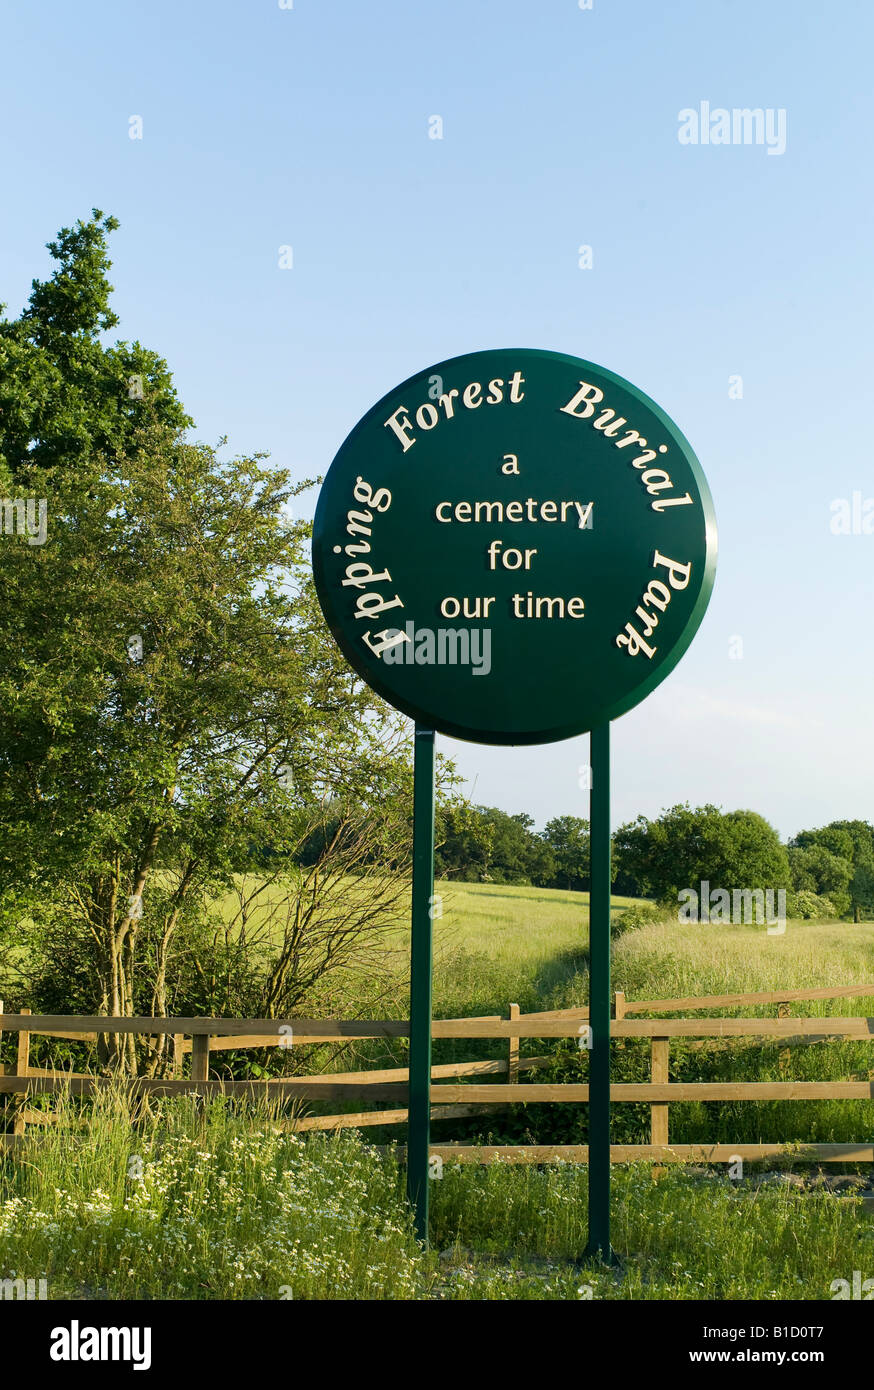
(189, 1200)
(501, 943)
(533, 942)
(497, 944)
(205, 1202)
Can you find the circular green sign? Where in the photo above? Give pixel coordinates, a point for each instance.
(514, 546)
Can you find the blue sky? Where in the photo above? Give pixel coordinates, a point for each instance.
(264, 127)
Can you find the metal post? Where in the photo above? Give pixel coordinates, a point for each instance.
(419, 1124)
(599, 1001)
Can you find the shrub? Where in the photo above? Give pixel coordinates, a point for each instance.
(642, 914)
(806, 905)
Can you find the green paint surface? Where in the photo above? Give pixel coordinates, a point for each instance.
(521, 477)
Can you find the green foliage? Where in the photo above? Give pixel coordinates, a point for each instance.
(847, 874)
(638, 915)
(172, 705)
(64, 394)
(483, 844)
(658, 858)
(808, 906)
(683, 846)
(117, 769)
(568, 838)
(464, 843)
(817, 872)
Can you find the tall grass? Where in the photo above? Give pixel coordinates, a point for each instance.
(689, 1236)
(195, 1200)
(198, 1200)
(211, 1201)
(674, 959)
(497, 944)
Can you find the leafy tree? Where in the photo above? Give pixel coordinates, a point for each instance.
(807, 905)
(853, 842)
(541, 870)
(171, 703)
(817, 870)
(464, 843)
(508, 860)
(170, 697)
(568, 838)
(517, 856)
(64, 394)
(685, 845)
(481, 843)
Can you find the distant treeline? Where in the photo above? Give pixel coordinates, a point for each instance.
(827, 872)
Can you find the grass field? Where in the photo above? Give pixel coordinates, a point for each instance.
(499, 943)
(534, 941)
(202, 1203)
(496, 944)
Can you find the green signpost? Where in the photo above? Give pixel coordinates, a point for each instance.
(514, 547)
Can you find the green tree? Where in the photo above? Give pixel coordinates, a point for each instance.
(64, 394)
(170, 698)
(568, 838)
(508, 861)
(816, 869)
(172, 706)
(479, 843)
(518, 856)
(464, 843)
(853, 842)
(685, 845)
(539, 856)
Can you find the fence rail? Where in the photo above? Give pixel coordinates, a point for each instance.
(198, 1038)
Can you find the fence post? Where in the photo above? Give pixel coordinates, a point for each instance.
(200, 1057)
(178, 1039)
(620, 1003)
(21, 1069)
(659, 1109)
(784, 1010)
(513, 1051)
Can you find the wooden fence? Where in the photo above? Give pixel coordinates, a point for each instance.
(201, 1038)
